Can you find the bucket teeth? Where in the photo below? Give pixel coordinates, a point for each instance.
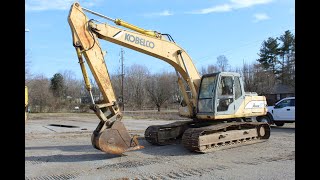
(115, 140)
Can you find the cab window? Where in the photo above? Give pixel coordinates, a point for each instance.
(237, 88)
(207, 89)
(225, 93)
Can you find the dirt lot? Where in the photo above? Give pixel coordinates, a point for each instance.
(54, 152)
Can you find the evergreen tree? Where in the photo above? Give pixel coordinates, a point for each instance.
(269, 55)
(57, 85)
(286, 53)
(279, 57)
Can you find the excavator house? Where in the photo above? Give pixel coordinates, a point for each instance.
(222, 114)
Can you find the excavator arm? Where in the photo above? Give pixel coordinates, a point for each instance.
(110, 135)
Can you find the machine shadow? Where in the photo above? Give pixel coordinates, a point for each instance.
(71, 148)
(71, 158)
(283, 129)
(94, 154)
(176, 149)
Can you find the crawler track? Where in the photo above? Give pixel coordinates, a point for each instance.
(224, 135)
(166, 134)
(198, 138)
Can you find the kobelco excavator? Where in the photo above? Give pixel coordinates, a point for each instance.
(219, 109)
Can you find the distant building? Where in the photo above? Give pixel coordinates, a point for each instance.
(279, 91)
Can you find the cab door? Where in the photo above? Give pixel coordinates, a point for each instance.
(225, 104)
(207, 94)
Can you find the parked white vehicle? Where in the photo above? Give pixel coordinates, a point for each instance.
(282, 112)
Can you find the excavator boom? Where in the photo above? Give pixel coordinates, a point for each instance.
(148, 42)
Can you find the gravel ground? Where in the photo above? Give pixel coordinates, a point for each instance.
(54, 152)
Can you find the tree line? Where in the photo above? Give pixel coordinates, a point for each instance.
(143, 90)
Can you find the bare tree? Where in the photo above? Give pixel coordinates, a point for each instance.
(257, 79)
(40, 97)
(116, 83)
(96, 93)
(248, 77)
(72, 85)
(135, 78)
(264, 80)
(209, 69)
(160, 88)
(222, 63)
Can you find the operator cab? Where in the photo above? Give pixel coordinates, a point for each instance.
(219, 94)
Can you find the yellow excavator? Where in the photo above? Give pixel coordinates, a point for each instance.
(222, 114)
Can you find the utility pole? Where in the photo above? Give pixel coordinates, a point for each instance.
(122, 77)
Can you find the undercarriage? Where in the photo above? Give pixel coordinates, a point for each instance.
(208, 136)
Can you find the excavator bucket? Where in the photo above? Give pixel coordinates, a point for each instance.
(115, 140)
